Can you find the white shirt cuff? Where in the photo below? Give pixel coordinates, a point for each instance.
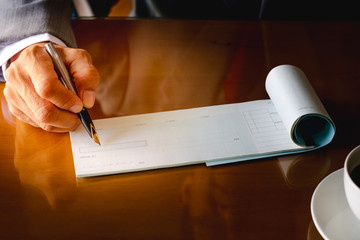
(12, 49)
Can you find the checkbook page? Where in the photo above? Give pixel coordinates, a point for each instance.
(180, 137)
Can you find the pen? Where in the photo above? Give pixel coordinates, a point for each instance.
(65, 79)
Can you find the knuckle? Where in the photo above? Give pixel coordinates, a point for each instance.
(10, 97)
(16, 112)
(14, 73)
(10, 73)
(7, 93)
(45, 90)
(66, 99)
(78, 54)
(92, 76)
(46, 127)
(74, 126)
(36, 48)
(45, 115)
(83, 53)
(95, 74)
(33, 52)
(66, 105)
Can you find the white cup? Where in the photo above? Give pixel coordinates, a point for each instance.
(352, 190)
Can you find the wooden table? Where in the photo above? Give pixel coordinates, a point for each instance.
(157, 65)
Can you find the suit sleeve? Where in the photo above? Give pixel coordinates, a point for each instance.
(20, 19)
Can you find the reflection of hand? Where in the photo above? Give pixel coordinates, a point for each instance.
(207, 204)
(36, 96)
(44, 162)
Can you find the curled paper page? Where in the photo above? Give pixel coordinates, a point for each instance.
(297, 104)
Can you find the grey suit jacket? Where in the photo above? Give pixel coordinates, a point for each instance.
(20, 19)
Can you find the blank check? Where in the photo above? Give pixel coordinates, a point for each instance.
(212, 135)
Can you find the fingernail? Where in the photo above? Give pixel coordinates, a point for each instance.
(89, 99)
(76, 108)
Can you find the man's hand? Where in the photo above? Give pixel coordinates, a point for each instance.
(36, 96)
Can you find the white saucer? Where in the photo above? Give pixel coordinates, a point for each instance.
(330, 211)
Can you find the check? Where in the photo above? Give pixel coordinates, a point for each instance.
(212, 135)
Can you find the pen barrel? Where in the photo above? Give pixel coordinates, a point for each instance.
(60, 68)
(87, 122)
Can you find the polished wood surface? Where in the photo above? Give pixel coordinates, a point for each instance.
(158, 65)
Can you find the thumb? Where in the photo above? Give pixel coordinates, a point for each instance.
(85, 76)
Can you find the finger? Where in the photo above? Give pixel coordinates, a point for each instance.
(20, 115)
(45, 80)
(85, 75)
(39, 112)
(15, 102)
(49, 117)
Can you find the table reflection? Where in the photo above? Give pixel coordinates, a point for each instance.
(6, 114)
(44, 163)
(304, 170)
(313, 233)
(145, 70)
(222, 202)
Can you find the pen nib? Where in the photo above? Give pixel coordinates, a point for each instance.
(96, 139)
(94, 134)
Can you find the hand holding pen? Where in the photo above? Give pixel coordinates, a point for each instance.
(65, 79)
(36, 96)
